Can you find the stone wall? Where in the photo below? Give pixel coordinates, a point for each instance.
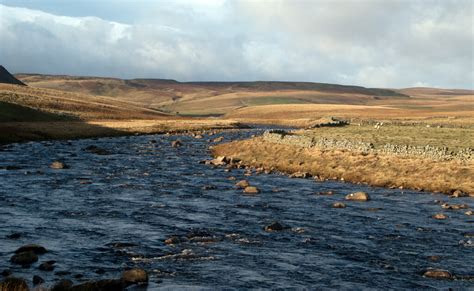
(427, 151)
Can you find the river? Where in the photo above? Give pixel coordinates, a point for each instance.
(109, 212)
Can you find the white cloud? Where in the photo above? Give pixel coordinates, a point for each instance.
(370, 43)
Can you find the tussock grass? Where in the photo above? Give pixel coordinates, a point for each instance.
(372, 169)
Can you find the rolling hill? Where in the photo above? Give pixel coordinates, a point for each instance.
(209, 98)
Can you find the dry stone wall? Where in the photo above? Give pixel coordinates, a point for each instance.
(436, 153)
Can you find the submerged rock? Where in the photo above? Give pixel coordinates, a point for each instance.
(437, 274)
(37, 280)
(358, 196)
(439, 216)
(57, 165)
(62, 285)
(275, 226)
(302, 175)
(176, 143)
(458, 193)
(24, 258)
(37, 249)
(174, 240)
(96, 150)
(47, 266)
(339, 205)
(6, 273)
(135, 276)
(101, 285)
(454, 206)
(242, 184)
(326, 193)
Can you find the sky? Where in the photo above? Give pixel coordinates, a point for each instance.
(372, 43)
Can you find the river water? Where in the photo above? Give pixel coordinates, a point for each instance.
(111, 212)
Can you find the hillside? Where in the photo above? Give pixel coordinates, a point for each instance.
(210, 98)
(72, 105)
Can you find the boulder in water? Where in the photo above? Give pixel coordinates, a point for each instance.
(176, 143)
(242, 184)
(358, 196)
(135, 276)
(251, 190)
(37, 249)
(275, 226)
(24, 258)
(339, 205)
(437, 274)
(57, 165)
(439, 216)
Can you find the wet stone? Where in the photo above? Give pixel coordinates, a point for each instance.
(275, 226)
(437, 274)
(46, 266)
(358, 196)
(15, 235)
(251, 190)
(37, 249)
(135, 276)
(37, 280)
(242, 184)
(6, 273)
(57, 165)
(24, 258)
(439, 216)
(62, 285)
(339, 205)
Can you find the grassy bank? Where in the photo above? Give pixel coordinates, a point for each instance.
(386, 170)
(28, 131)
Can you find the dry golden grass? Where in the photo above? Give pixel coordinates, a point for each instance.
(73, 104)
(26, 131)
(373, 169)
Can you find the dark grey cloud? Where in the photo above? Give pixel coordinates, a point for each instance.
(371, 43)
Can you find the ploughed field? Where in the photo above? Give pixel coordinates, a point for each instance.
(116, 204)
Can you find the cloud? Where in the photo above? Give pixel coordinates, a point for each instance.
(370, 43)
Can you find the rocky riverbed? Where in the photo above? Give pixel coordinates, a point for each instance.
(111, 205)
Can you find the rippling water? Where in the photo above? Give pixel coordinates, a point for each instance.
(145, 192)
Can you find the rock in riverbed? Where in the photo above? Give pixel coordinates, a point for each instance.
(24, 258)
(57, 165)
(358, 196)
(275, 226)
(176, 143)
(242, 184)
(62, 285)
(96, 150)
(47, 266)
(101, 285)
(302, 175)
(437, 274)
(458, 193)
(37, 249)
(439, 216)
(339, 205)
(37, 280)
(135, 276)
(251, 190)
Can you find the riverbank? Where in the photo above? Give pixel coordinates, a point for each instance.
(425, 158)
(56, 130)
